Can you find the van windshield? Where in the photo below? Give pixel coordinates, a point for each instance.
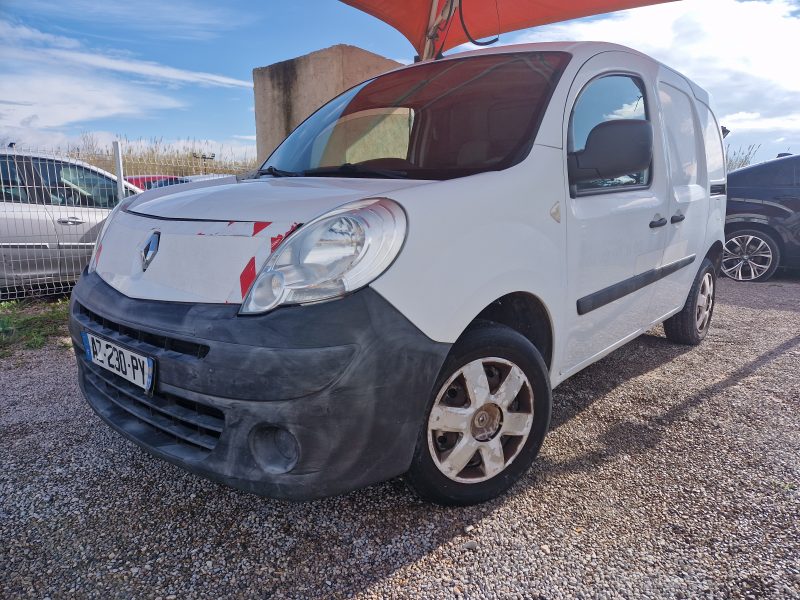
(437, 120)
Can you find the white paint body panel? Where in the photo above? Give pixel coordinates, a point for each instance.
(267, 199)
(470, 241)
(211, 231)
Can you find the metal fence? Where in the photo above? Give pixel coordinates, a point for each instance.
(54, 203)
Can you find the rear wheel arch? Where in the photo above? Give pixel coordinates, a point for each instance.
(526, 314)
(714, 254)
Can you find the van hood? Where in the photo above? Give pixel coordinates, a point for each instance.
(207, 241)
(295, 199)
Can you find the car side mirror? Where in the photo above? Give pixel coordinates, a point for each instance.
(613, 148)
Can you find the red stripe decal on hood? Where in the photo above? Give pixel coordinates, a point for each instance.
(248, 276)
(276, 240)
(260, 226)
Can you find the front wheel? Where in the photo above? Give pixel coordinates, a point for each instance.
(486, 421)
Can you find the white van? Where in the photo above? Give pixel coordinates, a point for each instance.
(400, 286)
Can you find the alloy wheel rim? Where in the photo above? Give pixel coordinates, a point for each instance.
(705, 303)
(480, 420)
(746, 257)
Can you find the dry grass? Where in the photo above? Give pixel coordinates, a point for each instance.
(155, 157)
(741, 157)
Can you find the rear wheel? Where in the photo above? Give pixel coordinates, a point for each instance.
(691, 325)
(750, 255)
(486, 421)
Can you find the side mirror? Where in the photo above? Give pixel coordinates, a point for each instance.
(613, 148)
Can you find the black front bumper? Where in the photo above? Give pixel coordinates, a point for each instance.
(300, 403)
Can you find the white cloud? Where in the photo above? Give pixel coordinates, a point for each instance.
(24, 44)
(741, 52)
(250, 138)
(753, 121)
(146, 69)
(43, 99)
(27, 35)
(632, 110)
(172, 19)
(48, 82)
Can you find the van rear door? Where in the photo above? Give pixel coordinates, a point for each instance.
(689, 189)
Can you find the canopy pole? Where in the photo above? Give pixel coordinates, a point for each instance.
(434, 20)
(427, 51)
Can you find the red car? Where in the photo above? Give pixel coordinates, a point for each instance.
(148, 182)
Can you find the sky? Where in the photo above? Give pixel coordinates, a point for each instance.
(182, 69)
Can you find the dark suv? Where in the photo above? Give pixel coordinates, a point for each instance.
(762, 229)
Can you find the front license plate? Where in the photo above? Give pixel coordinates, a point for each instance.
(136, 368)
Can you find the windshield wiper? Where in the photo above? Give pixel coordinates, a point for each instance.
(270, 170)
(351, 170)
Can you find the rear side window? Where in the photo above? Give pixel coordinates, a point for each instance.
(12, 187)
(73, 185)
(607, 99)
(715, 158)
(681, 133)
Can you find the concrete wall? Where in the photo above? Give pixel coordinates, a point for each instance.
(289, 91)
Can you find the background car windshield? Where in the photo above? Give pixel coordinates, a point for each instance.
(438, 120)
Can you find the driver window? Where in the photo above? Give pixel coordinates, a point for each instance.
(607, 99)
(73, 185)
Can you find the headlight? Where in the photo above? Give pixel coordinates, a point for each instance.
(99, 241)
(334, 254)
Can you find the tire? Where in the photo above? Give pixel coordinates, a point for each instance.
(691, 325)
(493, 431)
(750, 255)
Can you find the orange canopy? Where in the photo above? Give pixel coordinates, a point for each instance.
(416, 19)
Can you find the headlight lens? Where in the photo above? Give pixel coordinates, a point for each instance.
(334, 254)
(99, 241)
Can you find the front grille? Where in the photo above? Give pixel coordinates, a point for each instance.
(159, 341)
(175, 425)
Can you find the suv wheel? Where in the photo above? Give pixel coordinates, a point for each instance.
(750, 255)
(691, 325)
(486, 421)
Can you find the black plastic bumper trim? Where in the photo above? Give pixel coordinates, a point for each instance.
(350, 380)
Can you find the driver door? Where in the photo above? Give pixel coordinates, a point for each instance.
(615, 236)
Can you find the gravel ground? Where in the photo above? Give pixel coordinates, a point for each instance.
(669, 472)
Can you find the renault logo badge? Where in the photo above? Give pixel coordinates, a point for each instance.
(150, 250)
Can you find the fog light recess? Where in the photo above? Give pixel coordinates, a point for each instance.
(274, 448)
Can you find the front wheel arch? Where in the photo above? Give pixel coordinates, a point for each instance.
(524, 313)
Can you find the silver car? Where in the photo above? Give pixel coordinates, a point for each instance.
(51, 211)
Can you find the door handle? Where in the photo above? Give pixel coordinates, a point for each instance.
(677, 218)
(658, 222)
(70, 221)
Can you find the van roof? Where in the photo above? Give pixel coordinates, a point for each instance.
(581, 51)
